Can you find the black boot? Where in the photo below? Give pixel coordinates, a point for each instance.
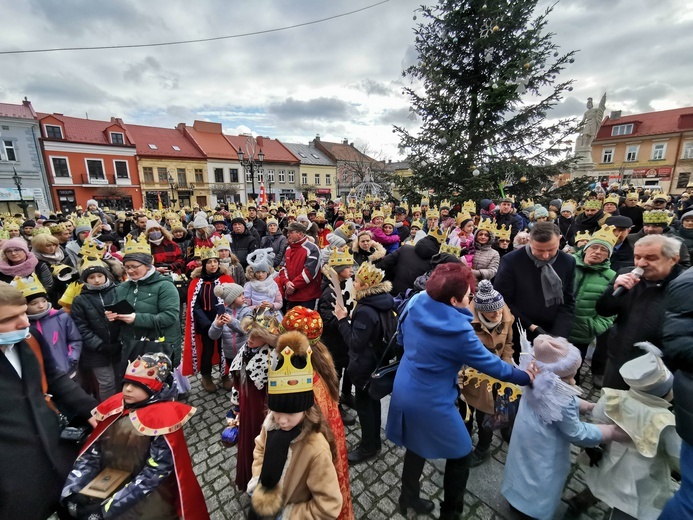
(418, 504)
(454, 486)
(411, 473)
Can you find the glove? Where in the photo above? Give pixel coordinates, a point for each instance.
(74, 502)
(89, 512)
(595, 455)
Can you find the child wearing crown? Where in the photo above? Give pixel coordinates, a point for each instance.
(390, 231)
(249, 396)
(293, 463)
(139, 436)
(260, 290)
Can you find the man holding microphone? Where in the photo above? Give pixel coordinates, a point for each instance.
(636, 298)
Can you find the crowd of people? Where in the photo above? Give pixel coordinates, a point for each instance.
(493, 307)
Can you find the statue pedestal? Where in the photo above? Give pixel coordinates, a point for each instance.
(584, 163)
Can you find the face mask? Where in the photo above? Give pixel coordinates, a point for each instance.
(12, 337)
(155, 235)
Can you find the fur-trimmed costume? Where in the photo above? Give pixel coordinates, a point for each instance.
(149, 443)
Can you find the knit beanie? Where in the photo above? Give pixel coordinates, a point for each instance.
(82, 228)
(568, 206)
(296, 226)
(92, 201)
(200, 221)
(557, 355)
(540, 211)
(15, 243)
(558, 203)
(335, 240)
(238, 220)
(142, 258)
(152, 224)
(228, 292)
(487, 299)
(28, 223)
(272, 221)
(687, 215)
(91, 267)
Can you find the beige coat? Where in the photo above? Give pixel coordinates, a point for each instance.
(308, 488)
(500, 342)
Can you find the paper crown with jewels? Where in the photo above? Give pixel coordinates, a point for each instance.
(341, 257)
(433, 213)
(348, 228)
(369, 274)
(390, 221)
(288, 378)
(612, 199)
(92, 249)
(632, 195)
(655, 216)
(592, 204)
(4, 234)
(526, 203)
(320, 216)
(40, 231)
(606, 235)
(462, 216)
(349, 216)
(451, 249)
(30, 286)
(415, 209)
(469, 206)
(206, 253)
(377, 213)
(149, 371)
(445, 203)
(56, 229)
(425, 201)
(486, 224)
(137, 246)
(90, 263)
(582, 235)
(83, 222)
(218, 217)
(438, 234)
(62, 272)
(503, 232)
(222, 243)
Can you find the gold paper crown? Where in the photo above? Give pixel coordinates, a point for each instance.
(137, 246)
(92, 250)
(83, 221)
(341, 257)
(425, 201)
(632, 195)
(415, 209)
(369, 274)
(349, 216)
(593, 204)
(471, 374)
(462, 216)
(655, 216)
(289, 379)
(433, 213)
(40, 231)
(486, 224)
(511, 198)
(218, 218)
(222, 243)
(56, 229)
(503, 232)
(469, 206)
(605, 234)
(390, 220)
(175, 222)
(445, 203)
(450, 249)
(613, 199)
(12, 226)
(4, 234)
(347, 229)
(267, 320)
(525, 203)
(78, 208)
(377, 213)
(582, 235)
(91, 262)
(320, 216)
(62, 272)
(206, 253)
(311, 196)
(438, 234)
(29, 286)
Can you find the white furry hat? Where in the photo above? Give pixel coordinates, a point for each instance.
(261, 260)
(647, 373)
(200, 221)
(335, 240)
(557, 355)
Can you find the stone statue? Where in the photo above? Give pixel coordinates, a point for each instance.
(590, 124)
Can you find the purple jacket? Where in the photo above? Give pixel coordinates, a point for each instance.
(61, 334)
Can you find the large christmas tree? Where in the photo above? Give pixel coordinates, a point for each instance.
(486, 80)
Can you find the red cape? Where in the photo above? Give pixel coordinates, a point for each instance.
(167, 419)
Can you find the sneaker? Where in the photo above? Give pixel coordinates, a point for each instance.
(479, 457)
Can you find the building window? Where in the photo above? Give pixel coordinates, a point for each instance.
(328, 179)
(218, 174)
(10, 154)
(53, 132)
(95, 170)
(658, 151)
(199, 177)
(270, 175)
(121, 168)
(117, 138)
(687, 150)
(684, 178)
(282, 176)
(163, 174)
(60, 168)
(317, 179)
(632, 152)
(148, 173)
(291, 176)
(182, 178)
(234, 174)
(261, 175)
(607, 155)
(304, 179)
(622, 129)
(248, 177)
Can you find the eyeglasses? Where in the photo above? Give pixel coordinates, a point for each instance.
(13, 251)
(132, 267)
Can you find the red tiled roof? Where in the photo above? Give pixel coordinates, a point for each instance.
(344, 152)
(211, 140)
(651, 123)
(274, 150)
(16, 111)
(164, 139)
(84, 130)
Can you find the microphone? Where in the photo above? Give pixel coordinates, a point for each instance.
(621, 289)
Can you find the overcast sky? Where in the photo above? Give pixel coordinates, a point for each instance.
(339, 78)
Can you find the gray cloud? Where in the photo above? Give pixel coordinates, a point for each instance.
(569, 107)
(374, 88)
(63, 89)
(322, 108)
(397, 116)
(643, 96)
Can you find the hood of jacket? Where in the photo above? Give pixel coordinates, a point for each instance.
(597, 268)
(377, 296)
(427, 247)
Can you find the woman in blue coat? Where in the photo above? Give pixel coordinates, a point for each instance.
(438, 339)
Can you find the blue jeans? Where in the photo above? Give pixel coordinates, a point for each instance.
(681, 505)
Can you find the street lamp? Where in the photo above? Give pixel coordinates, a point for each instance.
(18, 182)
(249, 163)
(174, 186)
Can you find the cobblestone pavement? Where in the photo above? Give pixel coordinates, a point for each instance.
(374, 484)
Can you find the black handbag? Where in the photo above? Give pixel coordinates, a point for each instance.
(383, 377)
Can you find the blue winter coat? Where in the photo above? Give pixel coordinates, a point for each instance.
(62, 336)
(438, 339)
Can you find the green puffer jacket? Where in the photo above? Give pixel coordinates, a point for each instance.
(157, 310)
(590, 283)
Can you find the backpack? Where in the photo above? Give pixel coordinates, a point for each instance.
(388, 326)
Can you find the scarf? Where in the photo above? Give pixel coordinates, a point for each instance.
(26, 268)
(267, 286)
(551, 283)
(40, 315)
(276, 452)
(55, 258)
(156, 242)
(488, 324)
(99, 287)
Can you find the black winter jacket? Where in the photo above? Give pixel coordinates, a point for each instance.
(100, 338)
(242, 245)
(278, 243)
(406, 264)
